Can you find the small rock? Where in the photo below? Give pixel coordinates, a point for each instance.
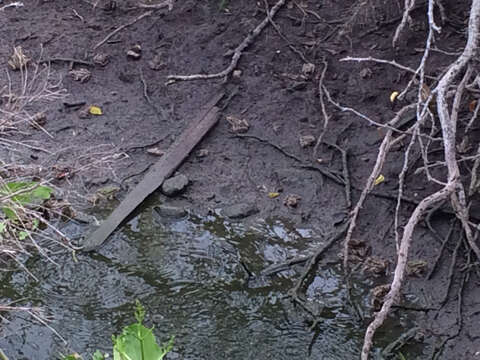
(237, 74)
(306, 140)
(174, 185)
(239, 211)
(84, 218)
(202, 153)
(156, 151)
(133, 55)
(238, 125)
(81, 74)
(170, 211)
(135, 52)
(292, 200)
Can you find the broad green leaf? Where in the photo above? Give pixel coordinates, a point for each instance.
(22, 235)
(38, 194)
(9, 213)
(138, 343)
(74, 356)
(98, 356)
(42, 192)
(28, 197)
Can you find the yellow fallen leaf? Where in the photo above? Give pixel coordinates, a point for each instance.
(379, 179)
(95, 110)
(393, 96)
(273, 195)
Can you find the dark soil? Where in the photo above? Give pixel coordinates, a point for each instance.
(279, 104)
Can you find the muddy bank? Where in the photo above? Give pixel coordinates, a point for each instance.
(262, 158)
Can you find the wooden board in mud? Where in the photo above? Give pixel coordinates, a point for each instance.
(164, 168)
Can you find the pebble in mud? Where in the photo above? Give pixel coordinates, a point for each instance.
(170, 211)
(174, 185)
(239, 211)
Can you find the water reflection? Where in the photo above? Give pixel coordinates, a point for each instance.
(199, 279)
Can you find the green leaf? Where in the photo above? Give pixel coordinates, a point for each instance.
(3, 227)
(9, 213)
(98, 356)
(72, 357)
(22, 235)
(42, 192)
(30, 197)
(39, 192)
(138, 342)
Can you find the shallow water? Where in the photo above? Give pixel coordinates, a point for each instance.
(194, 277)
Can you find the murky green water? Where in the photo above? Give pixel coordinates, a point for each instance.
(192, 277)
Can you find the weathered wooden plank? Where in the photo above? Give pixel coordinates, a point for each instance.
(163, 169)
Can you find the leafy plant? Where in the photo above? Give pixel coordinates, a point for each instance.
(136, 342)
(23, 193)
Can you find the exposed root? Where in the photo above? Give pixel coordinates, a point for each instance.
(237, 53)
(453, 187)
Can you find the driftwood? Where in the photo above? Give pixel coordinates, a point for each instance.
(164, 168)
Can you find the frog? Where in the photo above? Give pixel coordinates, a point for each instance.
(378, 295)
(81, 74)
(416, 267)
(238, 125)
(375, 266)
(105, 193)
(101, 59)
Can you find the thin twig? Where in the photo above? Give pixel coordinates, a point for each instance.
(326, 118)
(237, 53)
(121, 27)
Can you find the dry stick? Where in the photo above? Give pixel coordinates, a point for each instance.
(401, 180)
(368, 119)
(326, 118)
(382, 61)
(279, 31)
(164, 4)
(382, 154)
(121, 27)
(459, 201)
(236, 54)
(472, 119)
(313, 260)
(409, 4)
(474, 182)
(160, 113)
(448, 131)
(345, 174)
